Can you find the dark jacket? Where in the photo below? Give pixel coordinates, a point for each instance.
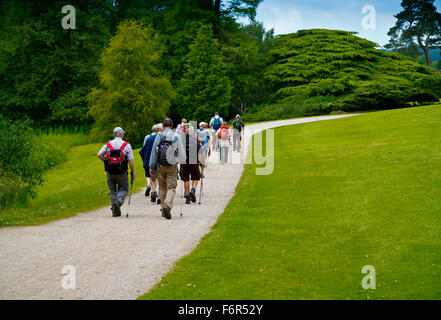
(147, 150)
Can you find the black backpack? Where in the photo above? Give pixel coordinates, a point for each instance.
(237, 125)
(163, 147)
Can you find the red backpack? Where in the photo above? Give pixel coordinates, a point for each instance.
(116, 163)
(223, 133)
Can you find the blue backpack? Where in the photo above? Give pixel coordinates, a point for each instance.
(217, 123)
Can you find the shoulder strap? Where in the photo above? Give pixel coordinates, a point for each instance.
(123, 146)
(109, 145)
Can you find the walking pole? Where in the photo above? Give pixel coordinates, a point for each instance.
(130, 196)
(201, 190)
(182, 193)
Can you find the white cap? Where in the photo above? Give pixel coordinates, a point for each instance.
(237, 116)
(154, 127)
(202, 124)
(117, 131)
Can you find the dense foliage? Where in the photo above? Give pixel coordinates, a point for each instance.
(204, 88)
(133, 93)
(20, 170)
(335, 70)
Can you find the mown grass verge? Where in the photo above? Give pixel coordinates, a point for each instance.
(77, 185)
(345, 193)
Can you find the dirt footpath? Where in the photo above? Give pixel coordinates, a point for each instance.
(115, 258)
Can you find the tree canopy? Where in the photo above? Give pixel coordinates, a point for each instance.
(204, 88)
(133, 93)
(349, 70)
(418, 24)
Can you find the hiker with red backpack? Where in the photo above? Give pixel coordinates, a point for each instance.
(117, 155)
(167, 152)
(224, 135)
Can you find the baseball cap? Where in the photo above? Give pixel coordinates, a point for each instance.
(118, 130)
(154, 127)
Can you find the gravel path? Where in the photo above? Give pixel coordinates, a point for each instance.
(114, 258)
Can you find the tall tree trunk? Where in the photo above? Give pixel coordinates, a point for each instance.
(217, 12)
(426, 50)
(428, 59)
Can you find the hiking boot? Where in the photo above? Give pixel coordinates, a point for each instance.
(187, 198)
(114, 212)
(158, 201)
(147, 191)
(154, 196)
(193, 195)
(162, 212)
(166, 212)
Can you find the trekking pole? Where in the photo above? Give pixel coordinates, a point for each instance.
(201, 190)
(130, 197)
(182, 193)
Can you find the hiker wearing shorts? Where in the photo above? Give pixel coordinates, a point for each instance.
(167, 152)
(151, 175)
(204, 139)
(215, 124)
(116, 154)
(189, 170)
(237, 133)
(223, 135)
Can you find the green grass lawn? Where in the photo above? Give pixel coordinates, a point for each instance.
(75, 186)
(346, 193)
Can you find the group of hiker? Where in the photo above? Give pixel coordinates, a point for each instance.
(168, 155)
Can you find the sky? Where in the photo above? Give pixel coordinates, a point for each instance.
(288, 16)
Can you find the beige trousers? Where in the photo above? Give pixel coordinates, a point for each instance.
(167, 176)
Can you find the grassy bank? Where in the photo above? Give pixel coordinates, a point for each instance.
(345, 193)
(76, 185)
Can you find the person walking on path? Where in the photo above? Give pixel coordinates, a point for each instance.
(189, 170)
(224, 135)
(215, 124)
(151, 175)
(116, 154)
(204, 138)
(180, 127)
(167, 152)
(238, 126)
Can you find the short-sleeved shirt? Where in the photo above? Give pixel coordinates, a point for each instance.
(204, 136)
(116, 144)
(212, 123)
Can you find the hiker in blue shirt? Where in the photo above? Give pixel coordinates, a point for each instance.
(204, 138)
(151, 175)
(215, 124)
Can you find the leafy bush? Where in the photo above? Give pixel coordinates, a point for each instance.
(20, 171)
(350, 71)
(32, 152)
